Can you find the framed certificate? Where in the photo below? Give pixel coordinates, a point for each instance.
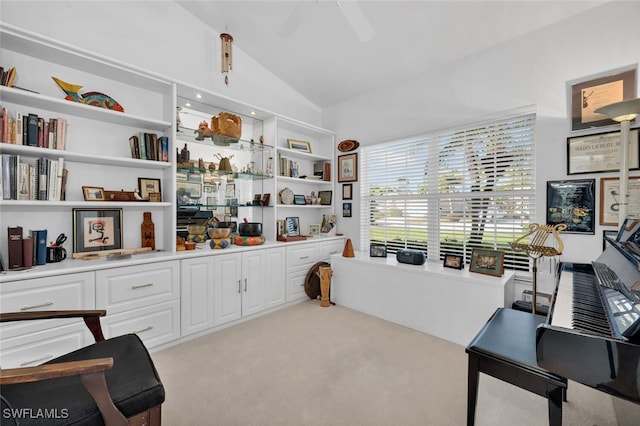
(610, 198)
(600, 153)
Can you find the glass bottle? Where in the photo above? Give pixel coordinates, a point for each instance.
(147, 231)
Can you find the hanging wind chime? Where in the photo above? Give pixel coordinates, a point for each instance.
(225, 51)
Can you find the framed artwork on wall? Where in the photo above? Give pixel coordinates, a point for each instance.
(600, 153)
(348, 168)
(610, 198)
(572, 202)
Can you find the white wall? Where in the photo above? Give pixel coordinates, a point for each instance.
(162, 37)
(532, 70)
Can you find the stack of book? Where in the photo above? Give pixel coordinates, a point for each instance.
(32, 130)
(44, 179)
(149, 146)
(29, 251)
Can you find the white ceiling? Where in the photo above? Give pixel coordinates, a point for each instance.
(312, 47)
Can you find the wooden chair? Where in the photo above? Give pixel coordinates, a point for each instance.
(111, 382)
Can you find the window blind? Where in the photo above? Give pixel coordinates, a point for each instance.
(451, 191)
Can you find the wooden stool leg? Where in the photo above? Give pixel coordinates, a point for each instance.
(554, 400)
(472, 388)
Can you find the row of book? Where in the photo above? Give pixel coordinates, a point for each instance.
(7, 77)
(149, 146)
(32, 130)
(24, 252)
(288, 167)
(43, 179)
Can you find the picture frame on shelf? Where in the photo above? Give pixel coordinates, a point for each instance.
(147, 186)
(610, 198)
(590, 93)
(453, 261)
(265, 199)
(487, 262)
(155, 197)
(230, 190)
(188, 192)
(348, 167)
(292, 226)
(96, 230)
(346, 209)
(93, 193)
(347, 191)
(314, 229)
(325, 197)
(297, 145)
(572, 202)
(600, 152)
(299, 200)
(257, 200)
(377, 250)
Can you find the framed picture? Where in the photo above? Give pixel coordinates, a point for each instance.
(97, 230)
(93, 193)
(590, 93)
(488, 262)
(325, 197)
(348, 167)
(147, 186)
(187, 192)
(346, 209)
(610, 198)
(230, 190)
(572, 202)
(347, 191)
(600, 153)
(453, 261)
(292, 226)
(303, 146)
(155, 197)
(265, 199)
(314, 229)
(257, 200)
(377, 250)
(299, 200)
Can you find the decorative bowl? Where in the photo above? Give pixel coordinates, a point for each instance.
(216, 233)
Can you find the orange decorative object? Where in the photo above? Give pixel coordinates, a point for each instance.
(249, 241)
(348, 249)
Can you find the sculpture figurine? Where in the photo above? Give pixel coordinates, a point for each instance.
(90, 98)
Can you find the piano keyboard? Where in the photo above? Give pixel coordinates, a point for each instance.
(578, 305)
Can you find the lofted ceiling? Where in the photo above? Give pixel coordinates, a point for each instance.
(331, 51)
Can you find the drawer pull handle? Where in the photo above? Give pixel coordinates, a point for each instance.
(38, 361)
(42, 305)
(304, 257)
(245, 285)
(239, 286)
(135, 287)
(143, 330)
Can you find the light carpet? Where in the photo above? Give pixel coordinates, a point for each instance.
(308, 365)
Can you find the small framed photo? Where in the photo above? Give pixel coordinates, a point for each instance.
(303, 146)
(488, 262)
(314, 229)
(97, 230)
(347, 191)
(299, 200)
(230, 190)
(348, 168)
(325, 197)
(453, 261)
(377, 250)
(93, 193)
(292, 225)
(148, 185)
(155, 197)
(257, 200)
(265, 199)
(346, 209)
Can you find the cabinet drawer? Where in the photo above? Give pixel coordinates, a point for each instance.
(57, 293)
(155, 325)
(133, 287)
(303, 255)
(328, 249)
(36, 348)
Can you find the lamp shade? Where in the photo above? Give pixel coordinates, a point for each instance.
(621, 111)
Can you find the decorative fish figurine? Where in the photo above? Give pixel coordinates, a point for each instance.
(90, 98)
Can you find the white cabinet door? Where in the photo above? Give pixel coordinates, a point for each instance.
(253, 282)
(196, 294)
(274, 277)
(227, 285)
(300, 258)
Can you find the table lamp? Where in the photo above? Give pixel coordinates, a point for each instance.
(623, 112)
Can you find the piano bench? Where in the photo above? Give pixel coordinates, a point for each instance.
(505, 348)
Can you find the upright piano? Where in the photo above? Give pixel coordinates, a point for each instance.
(592, 331)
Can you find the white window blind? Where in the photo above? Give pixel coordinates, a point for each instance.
(451, 191)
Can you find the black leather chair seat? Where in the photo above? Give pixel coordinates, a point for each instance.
(133, 382)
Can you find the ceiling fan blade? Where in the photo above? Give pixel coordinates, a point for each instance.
(355, 17)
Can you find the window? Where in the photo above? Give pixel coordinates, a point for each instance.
(451, 191)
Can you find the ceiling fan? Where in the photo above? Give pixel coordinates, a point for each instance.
(350, 10)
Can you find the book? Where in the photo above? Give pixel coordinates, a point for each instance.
(11, 77)
(43, 170)
(27, 252)
(33, 188)
(19, 130)
(143, 152)
(52, 180)
(53, 133)
(134, 147)
(23, 181)
(15, 247)
(63, 189)
(164, 143)
(40, 139)
(6, 176)
(61, 130)
(32, 129)
(59, 172)
(41, 247)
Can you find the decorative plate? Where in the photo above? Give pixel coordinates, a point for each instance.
(286, 196)
(348, 145)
